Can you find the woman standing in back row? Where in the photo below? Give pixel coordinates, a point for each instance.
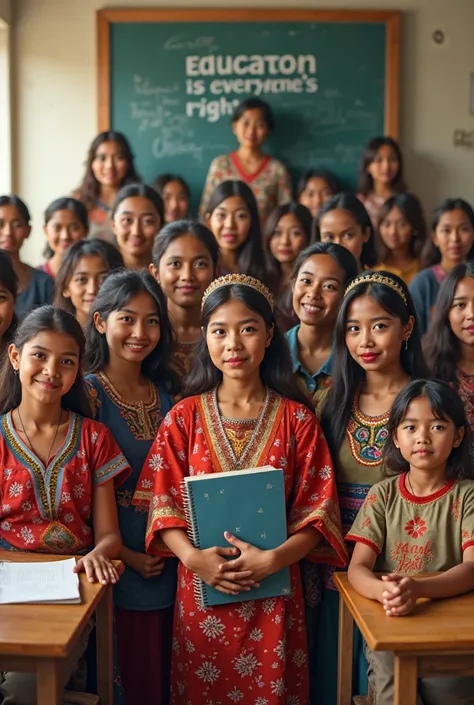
(268, 178)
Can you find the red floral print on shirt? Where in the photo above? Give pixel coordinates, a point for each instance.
(416, 527)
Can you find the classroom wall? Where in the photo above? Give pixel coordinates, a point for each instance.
(5, 10)
(54, 78)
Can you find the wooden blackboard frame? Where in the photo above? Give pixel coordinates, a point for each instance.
(391, 19)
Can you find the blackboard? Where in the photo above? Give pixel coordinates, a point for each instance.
(169, 81)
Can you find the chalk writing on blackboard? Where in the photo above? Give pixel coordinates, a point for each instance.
(179, 42)
(264, 74)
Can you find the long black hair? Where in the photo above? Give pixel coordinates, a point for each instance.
(275, 370)
(347, 201)
(45, 318)
(89, 190)
(442, 348)
(108, 253)
(179, 228)
(117, 290)
(250, 255)
(446, 404)
(253, 103)
(412, 211)
(9, 280)
(431, 254)
(365, 183)
(303, 216)
(347, 375)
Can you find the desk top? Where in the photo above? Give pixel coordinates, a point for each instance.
(46, 630)
(433, 626)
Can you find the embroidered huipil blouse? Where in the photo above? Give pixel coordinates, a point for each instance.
(48, 509)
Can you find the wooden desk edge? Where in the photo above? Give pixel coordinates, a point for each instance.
(341, 580)
(32, 651)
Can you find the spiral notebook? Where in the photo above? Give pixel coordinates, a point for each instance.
(249, 504)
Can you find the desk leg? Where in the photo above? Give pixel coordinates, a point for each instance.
(406, 677)
(105, 683)
(48, 674)
(344, 660)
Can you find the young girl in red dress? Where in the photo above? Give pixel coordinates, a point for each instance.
(58, 467)
(243, 411)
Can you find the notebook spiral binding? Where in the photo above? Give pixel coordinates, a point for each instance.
(193, 535)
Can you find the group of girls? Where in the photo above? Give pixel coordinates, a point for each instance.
(177, 347)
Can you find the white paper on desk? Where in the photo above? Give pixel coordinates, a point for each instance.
(48, 582)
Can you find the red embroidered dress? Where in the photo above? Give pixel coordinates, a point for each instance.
(48, 510)
(255, 652)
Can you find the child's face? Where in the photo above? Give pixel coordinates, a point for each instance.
(251, 129)
(374, 337)
(135, 224)
(230, 223)
(86, 280)
(7, 308)
(315, 194)
(13, 229)
(341, 227)
(110, 165)
(385, 166)
(288, 239)
(185, 271)
(237, 339)
(48, 365)
(395, 231)
(175, 200)
(425, 441)
(63, 229)
(461, 314)
(133, 332)
(454, 237)
(318, 290)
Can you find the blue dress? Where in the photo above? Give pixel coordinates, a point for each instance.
(39, 291)
(144, 605)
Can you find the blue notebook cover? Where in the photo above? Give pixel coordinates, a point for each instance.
(249, 504)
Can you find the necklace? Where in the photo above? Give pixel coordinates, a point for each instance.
(28, 439)
(414, 493)
(238, 462)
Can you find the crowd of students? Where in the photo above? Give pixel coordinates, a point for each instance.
(331, 336)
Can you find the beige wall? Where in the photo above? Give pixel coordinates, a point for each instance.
(55, 101)
(5, 10)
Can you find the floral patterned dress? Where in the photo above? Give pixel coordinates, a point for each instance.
(271, 183)
(253, 652)
(48, 510)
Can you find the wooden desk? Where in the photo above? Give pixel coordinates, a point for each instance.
(435, 640)
(36, 638)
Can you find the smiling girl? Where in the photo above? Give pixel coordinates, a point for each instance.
(269, 180)
(451, 243)
(65, 222)
(449, 344)
(400, 236)
(376, 352)
(315, 187)
(236, 418)
(85, 267)
(344, 221)
(129, 340)
(318, 281)
(174, 192)
(184, 262)
(137, 217)
(380, 174)
(59, 467)
(232, 217)
(35, 287)
(287, 232)
(109, 166)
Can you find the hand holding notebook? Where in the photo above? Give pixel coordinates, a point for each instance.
(249, 504)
